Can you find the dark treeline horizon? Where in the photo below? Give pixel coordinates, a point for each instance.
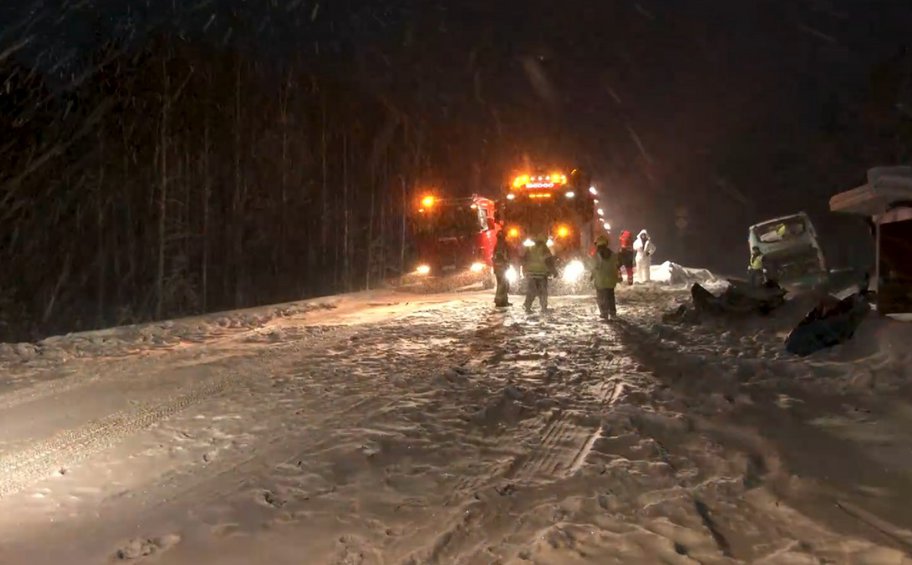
(178, 179)
(216, 161)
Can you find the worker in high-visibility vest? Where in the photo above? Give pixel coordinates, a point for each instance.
(755, 268)
(537, 267)
(605, 276)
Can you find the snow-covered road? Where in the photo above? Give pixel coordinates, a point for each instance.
(391, 428)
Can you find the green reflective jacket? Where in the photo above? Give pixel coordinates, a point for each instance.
(604, 271)
(535, 262)
(756, 262)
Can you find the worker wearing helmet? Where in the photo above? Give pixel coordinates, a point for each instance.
(538, 265)
(605, 277)
(501, 260)
(755, 268)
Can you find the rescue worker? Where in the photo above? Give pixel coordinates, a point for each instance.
(605, 276)
(501, 260)
(755, 268)
(626, 255)
(781, 231)
(644, 248)
(538, 264)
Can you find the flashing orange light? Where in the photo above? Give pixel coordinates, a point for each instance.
(562, 231)
(428, 201)
(540, 195)
(520, 181)
(513, 233)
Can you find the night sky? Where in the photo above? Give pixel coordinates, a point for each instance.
(735, 111)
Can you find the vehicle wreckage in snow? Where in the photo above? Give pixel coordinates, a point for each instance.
(791, 253)
(740, 299)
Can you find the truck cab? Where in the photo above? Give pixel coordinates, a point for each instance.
(560, 207)
(454, 235)
(791, 253)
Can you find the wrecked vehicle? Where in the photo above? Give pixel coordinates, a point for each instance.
(832, 322)
(791, 254)
(739, 298)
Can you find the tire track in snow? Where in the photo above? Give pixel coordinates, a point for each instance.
(277, 451)
(41, 460)
(68, 447)
(220, 343)
(198, 483)
(561, 452)
(564, 445)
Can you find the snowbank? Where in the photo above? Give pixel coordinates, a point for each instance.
(877, 358)
(674, 274)
(125, 339)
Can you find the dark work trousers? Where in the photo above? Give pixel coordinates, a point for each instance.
(755, 277)
(606, 303)
(501, 295)
(537, 287)
(625, 260)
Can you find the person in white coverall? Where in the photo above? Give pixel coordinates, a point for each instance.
(644, 249)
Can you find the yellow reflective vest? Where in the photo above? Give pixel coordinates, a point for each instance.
(535, 263)
(756, 262)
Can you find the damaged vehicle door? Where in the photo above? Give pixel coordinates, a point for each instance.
(791, 253)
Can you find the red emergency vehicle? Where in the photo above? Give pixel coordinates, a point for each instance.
(562, 208)
(454, 235)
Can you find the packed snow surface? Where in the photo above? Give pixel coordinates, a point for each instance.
(387, 427)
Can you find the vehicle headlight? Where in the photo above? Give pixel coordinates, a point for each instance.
(528, 243)
(511, 274)
(423, 269)
(477, 267)
(574, 271)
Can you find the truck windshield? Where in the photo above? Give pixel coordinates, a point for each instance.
(540, 216)
(781, 230)
(450, 221)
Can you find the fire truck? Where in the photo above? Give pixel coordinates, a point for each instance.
(563, 208)
(454, 236)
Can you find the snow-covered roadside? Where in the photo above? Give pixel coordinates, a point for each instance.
(435, 429)
(836, 424)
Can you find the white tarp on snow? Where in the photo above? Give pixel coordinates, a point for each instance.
(674, 274)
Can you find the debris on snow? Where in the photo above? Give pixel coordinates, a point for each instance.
(830, 323)
(140, 548)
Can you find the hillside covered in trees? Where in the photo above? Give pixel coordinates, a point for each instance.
(198, 156)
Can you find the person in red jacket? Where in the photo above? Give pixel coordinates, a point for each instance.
(625, 255)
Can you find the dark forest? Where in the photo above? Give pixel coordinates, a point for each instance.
(167, 175)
